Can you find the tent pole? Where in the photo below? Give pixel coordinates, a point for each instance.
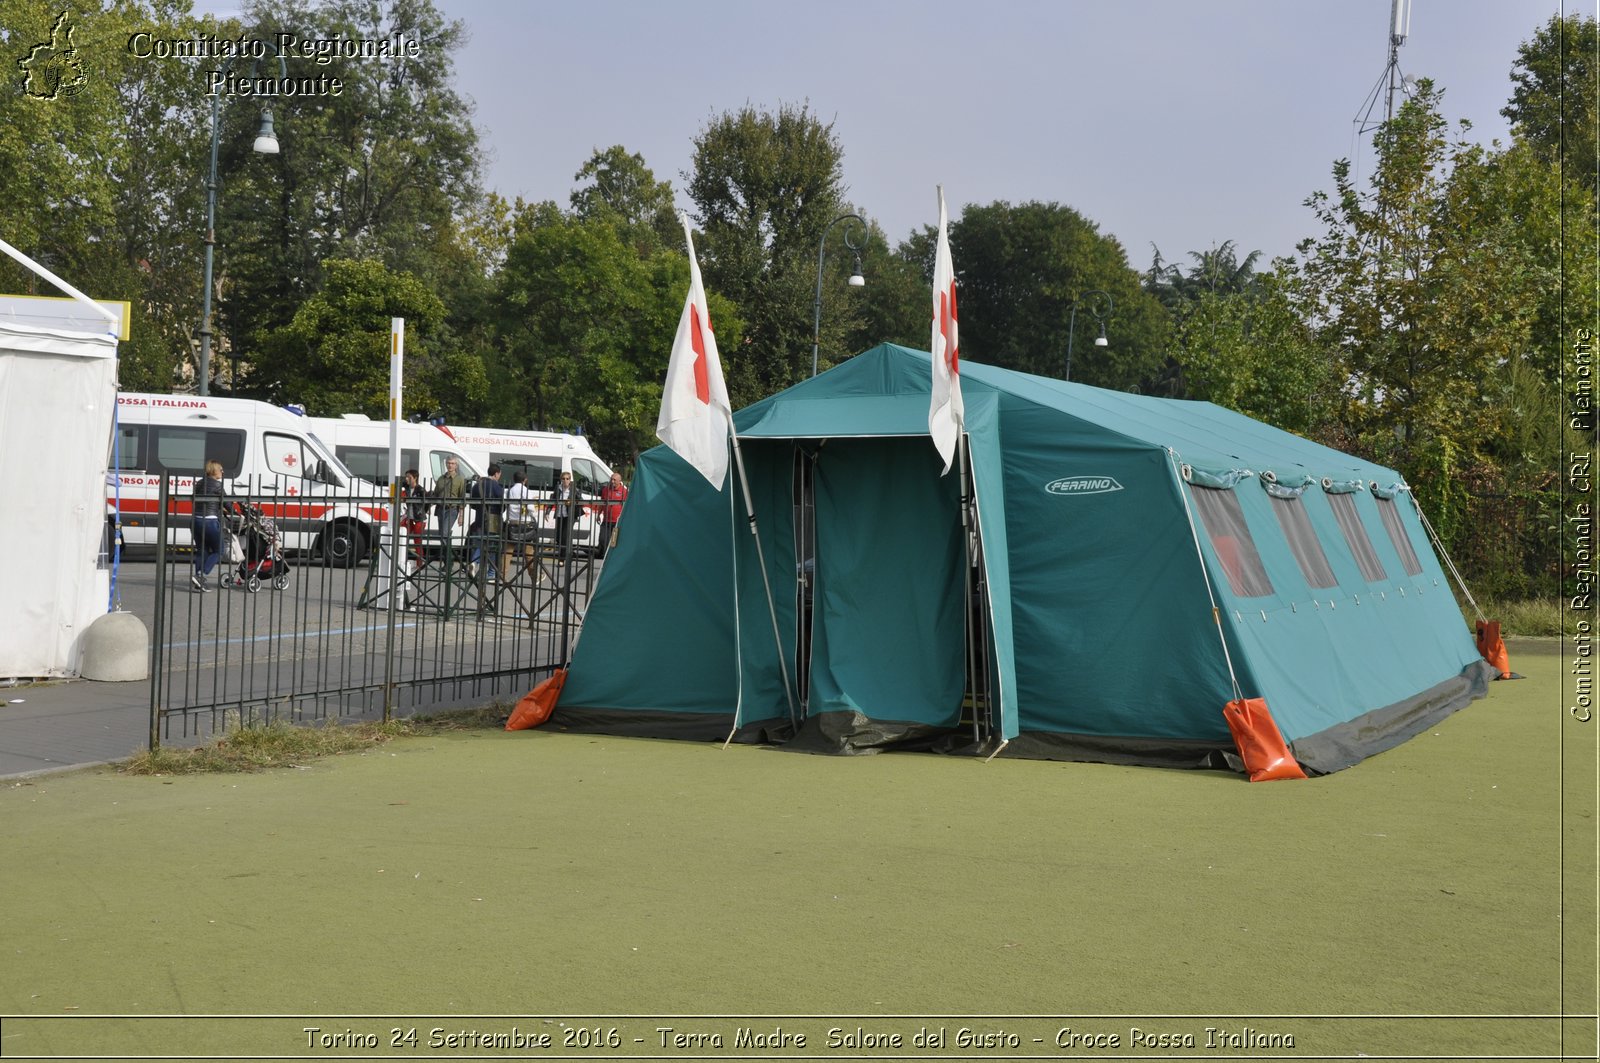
(966, 576)
(738, 650)
(1449, 564)
(1194, 533)
(766, 581)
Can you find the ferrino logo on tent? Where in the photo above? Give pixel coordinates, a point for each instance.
(1082, 485)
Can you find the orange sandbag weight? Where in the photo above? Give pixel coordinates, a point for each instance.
(537, 704)
(1266, 755)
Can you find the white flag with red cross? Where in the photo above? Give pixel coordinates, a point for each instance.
(946, 415)
(696, 416)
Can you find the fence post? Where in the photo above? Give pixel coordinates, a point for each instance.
(158, 636)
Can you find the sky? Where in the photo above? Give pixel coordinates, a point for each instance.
(1168, 123)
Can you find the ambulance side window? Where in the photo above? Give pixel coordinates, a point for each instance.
(542, 473)
(288, 455)
(372, 463)
(130, 453)
(586, 474)
(183, 450)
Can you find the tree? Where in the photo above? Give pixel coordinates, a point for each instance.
(381, 171)
(1020, 270)
(1556, 92)
(333, 355)
(1434, 290)
(99, 178)
(767, 185)
(895, 306)
(1217, 271)
(624, 192)
(585, 327)
(1250, 350)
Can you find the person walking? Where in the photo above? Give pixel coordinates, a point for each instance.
(451, 491)
(209, 499)
(566, 507)
(414, 512)
(614, 494)
(521, 524)
(485, 531)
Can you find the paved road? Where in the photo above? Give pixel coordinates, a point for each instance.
(227, 645)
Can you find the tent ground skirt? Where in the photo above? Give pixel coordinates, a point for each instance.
(1326, 751)
(1350, 742)
(684, 726)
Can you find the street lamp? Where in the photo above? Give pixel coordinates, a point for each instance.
(1100, 306)
(856, 279)
(266, 143)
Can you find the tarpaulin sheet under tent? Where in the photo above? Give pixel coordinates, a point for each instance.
(1117, 542)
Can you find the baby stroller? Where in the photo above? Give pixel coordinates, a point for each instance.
(263, 555)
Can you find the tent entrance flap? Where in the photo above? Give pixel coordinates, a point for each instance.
(888, 661)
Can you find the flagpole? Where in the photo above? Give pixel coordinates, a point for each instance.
(766, 580)
(962, 451)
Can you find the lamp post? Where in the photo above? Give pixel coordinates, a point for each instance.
(1100, 306)
(856, 279)
(267, 144)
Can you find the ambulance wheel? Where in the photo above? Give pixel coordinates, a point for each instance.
(343, 546)
(281, 580)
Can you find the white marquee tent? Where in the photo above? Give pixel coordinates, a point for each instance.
(58, 396)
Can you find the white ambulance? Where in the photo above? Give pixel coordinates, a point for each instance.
(362, 444)
(544, 456)
(268, 455)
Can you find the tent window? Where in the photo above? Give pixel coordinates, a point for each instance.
(1344, 511)
(1303, 541)
(1397, 535)
(1230, 538)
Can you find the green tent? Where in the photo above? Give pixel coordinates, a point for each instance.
(1131, 565)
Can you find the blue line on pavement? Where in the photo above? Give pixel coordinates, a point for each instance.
(290, 635)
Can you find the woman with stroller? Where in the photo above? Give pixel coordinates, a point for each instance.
(209, 500)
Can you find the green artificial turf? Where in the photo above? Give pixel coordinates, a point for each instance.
(539, 874)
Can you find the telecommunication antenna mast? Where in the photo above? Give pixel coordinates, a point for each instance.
(1393, 81)
(1399, 30)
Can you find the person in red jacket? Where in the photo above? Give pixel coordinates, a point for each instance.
(613, 494)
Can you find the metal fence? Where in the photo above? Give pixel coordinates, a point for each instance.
(275, 635)
(1509, 547)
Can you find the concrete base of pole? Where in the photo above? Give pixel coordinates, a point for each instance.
(116, 649)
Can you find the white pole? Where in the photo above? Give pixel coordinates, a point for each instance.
(397, 351)
(59, 283)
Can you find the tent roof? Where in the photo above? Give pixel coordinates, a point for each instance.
(854, 398)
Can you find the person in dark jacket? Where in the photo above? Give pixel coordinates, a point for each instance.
(484, 534)
(209, 500)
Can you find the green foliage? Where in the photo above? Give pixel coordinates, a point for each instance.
(584, 328)
(1249, 350)
(98, 181)
(381, 171)
(895, 306)
(1556, 92)
(1215, 272)
(1020, 270)
(333, 355)
(623, 192)
(1422, 289)
(767, 186)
